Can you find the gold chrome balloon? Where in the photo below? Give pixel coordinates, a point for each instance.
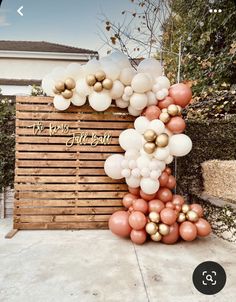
(67, 94)
(185, 208)
(162, 140)
(164, 117)
(60, 86)
(173, 110)
(164, 229)
(151, 228)
(192, 216)
(100, 75)
(91, 80)
(70, 83)
(150, 135)
(56, 91)
(154, 216)
(149, 148)
(181, 217)
(107, 84)
(98, 87)
(156, 237)
(179, 109)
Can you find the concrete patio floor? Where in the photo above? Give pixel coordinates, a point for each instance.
(84, 266)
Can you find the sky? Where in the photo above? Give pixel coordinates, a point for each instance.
(69, 22)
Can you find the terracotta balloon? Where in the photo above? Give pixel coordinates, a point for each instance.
(173, 236)
(168, 170)
(181, 94)
(147, 197)
(203, 227)
(134, 191)
(155, 205)
(168, 216)
(197, 208)
(119, 223)
(188, 231)
(164, 194)
(152, 112)
(131, 209)
(128, 200)
(171, 183)
(176, 124)
(137, 220)
(138, 237)
(140, 205)
(177, 200)
(178, 208)
(170, 205)
(163, 179)
(166, 102)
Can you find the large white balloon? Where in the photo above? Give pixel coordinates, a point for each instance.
(59, 74)
(141, 83)
(157, 165)
(130, 139)
(92, 67)
(111, 70)
(157, 125)
(151, 66)
(121, 104)
(60, 103)
(141, 124)
(75, 71)
(143, 162)
(113, 167)
(120, 59)
(48, 84)
(117, 90)
(138, 101)
(83, 88)
(78, 100)
(149, 186)
(126, 75)
(100, 101)
(133, 182)
(152, 100)
(133, 111)
(162, 153)
(163, 82)
(131, 154)
(180, 145)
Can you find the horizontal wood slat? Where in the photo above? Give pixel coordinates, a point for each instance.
(60, 187)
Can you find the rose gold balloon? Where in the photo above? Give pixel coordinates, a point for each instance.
(147, 197)
(176, 124)
(178, 208)
(134, 191)
(155, 205)
(168, 216)
(128, 200)
(197, 208)
(131, 209)
(173, 236)
(170, 205)
(166, 102)
(188, 231)
(138, 237)
(177, 200)
(171, 183)
(181, 94)
(163, 179)
(168, 170)
(137, 220)
(152, 112)
(164, 194)
(203, 227)
(140, 205)
(119, 223)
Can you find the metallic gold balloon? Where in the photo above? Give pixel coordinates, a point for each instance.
(70, 83)
(154, 216)
(91, 80)
(164, 117)
(179, 109)
(151, 228)
(100, 75)
(149, 148)
(164, 110)
(60, 86)
(162, 140)
(98, 87)
(164, 229)
(156, 237)
(185, 208)
(173, 110)
(192, 216)
(56, 91)
(181, 217)
(107, 84)
(67, 94)
(150, 135)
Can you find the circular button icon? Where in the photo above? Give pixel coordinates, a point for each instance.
(209, 277)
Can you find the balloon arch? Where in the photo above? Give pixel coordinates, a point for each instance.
(151, 207)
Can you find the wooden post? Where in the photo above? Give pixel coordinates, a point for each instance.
(3, 203)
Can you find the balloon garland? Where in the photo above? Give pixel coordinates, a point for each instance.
(152, 208)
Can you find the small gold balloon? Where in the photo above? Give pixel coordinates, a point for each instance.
(100, 75)
(70, 83)
(185, 208)
(164, 117)
(181, 217)
(164, 110)
(164, 229)
(192, 216)
(60, 86)
(150, 135)
(107, 84)
(151, 228)
(67, 94)
(179, 109)
(149, 148)
(154, 216)
(162, 140)
(98, 87)
(91, 80)
(173, 110)
(56, 91)
(156, 237)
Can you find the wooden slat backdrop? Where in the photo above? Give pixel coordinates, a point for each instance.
(57, 187)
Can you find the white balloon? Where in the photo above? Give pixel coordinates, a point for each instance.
(157, 165)
(121, 104)
(160, 95)
(60, 103)
(133, 111)
(120, 59)
(83, 88)
(138, 101)
(151, 66)
(78, 100)
(145, 172)
(133, 182)
(131, 154)
(126, 98)
(75, 71)
(100, 101)
(167, 131)
(141, 124)
(163, 82)
(111, 70)
(157, 125)
(162, 153)
(130, 139)
(117, 90)
(132, 164)
(128, 90)
(48, 84)
(180, 145)
(149, 186)
(126, 172)
(92, 67)
(127, 75)
(59, 73)
(143, 162)
(165, 91)
(155, 174)
(136, 172)
(156, 87)
(112, 166)
(141, 83)
(169, 159)
(152, 100)
(124, 163)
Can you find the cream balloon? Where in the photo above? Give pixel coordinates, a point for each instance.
(160, 95)
(149, 186)
(130, 139)
(111, 70)
(169, 159)
(82, 88)
(100, 101)
(48, 84)
(126, 75)
(128, 90)
(78, 100)
(75, 71)
(133, 182)
(141, 124)
(92, 67)
(157, 165)
(141, 83)
(121, 104)
(151, 66)
(60, 103)
(58, 74)
(180, 145)
(162, 153)
(163, 82)
(138, 101)
(112, 166)
(117, 90)
(152, 100)
(143, 162)
(132, 111)
(157, 125)
(120, 59)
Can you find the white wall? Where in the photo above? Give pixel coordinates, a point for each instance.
(15, 90)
